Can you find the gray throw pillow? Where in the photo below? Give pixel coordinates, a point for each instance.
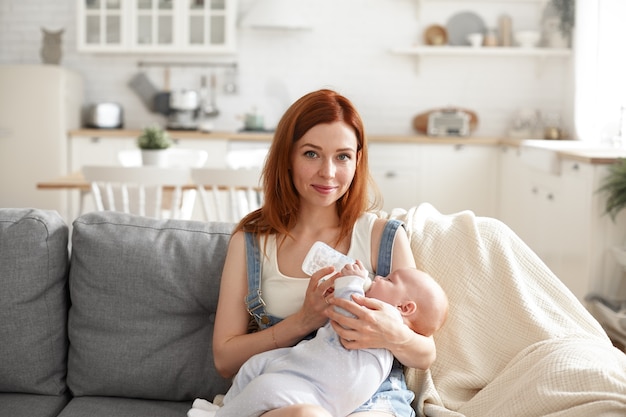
(144, 295)
(33, 301)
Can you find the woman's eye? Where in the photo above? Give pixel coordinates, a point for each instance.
(310, 154)
(344, 157)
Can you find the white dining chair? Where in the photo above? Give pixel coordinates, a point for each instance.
(228, 194)
(175, 158)
(147, 191)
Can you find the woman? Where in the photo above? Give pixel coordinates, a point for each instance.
(315, 183)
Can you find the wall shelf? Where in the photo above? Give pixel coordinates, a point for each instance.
(482, 51)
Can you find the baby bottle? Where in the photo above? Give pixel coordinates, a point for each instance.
(321, 255)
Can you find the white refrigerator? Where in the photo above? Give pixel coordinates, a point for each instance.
(39, 104)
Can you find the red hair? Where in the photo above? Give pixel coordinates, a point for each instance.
(282, 202)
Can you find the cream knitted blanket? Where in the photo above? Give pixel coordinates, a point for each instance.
(516, 342)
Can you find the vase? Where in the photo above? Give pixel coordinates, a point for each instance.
(154, 157)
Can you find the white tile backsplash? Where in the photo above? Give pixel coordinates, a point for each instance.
(348, 50)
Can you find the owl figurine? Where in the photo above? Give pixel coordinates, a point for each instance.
(51, 46)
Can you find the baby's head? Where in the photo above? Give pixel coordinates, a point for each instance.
(421, 301)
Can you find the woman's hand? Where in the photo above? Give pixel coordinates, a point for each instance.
(312, 315)
(377, 326)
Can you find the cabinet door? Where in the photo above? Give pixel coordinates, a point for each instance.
(511, 182)
(101, 25)
(152, 24)
(460, 177)
(395, 170)
(209, 25)
(97, 151)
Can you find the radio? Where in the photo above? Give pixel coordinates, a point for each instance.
(448, 122)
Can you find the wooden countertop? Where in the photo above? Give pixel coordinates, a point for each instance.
(599, 155)
(267, 136)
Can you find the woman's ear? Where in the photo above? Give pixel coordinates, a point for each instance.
(407, 308)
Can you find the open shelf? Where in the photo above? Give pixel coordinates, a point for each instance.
(482, 51)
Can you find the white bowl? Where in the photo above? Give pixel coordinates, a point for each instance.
(527, 38)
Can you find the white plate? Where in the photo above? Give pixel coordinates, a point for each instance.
(462, 24)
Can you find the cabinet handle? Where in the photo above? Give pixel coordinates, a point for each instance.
(575, 167)
(550, 196)
(391, 174)
(95, 139)
(534, 190)
(459, 147)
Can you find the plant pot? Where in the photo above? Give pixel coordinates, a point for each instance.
(154, 157)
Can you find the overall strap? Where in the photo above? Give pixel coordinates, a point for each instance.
(386, 247)
(254, 302)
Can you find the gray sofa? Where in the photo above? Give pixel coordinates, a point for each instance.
(123, 329)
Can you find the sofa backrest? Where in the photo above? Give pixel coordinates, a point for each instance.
(33, 301)
(144, 295)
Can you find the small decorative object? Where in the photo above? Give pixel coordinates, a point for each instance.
(51, 46)
(614, 186)
(153, 142)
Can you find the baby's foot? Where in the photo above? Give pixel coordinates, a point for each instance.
(197, 412)
(203, 404)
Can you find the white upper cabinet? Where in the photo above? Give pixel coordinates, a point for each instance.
(157, 26)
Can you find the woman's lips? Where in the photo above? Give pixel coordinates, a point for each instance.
(324, 189)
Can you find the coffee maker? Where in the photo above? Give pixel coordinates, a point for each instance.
(183, 110)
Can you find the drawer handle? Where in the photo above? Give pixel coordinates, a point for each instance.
(391, 174)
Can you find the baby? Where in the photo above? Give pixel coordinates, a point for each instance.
(317, 371)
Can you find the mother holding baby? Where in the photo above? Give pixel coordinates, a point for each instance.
(317, 187)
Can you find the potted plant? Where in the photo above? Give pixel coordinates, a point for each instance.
(153, 142)
(558, 20)
(614, 187)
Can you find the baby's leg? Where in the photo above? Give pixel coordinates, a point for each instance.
(251, 369)
(268, 392)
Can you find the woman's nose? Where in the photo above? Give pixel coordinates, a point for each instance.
(327, 169)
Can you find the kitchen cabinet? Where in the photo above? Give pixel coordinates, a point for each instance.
(396, 170)
(560, 216)
(459, 177)
(103, 151)
(451, 177)
(157, 26)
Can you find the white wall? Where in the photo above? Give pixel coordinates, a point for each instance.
(347, 50)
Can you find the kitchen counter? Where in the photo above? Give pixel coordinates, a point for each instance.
(561, 149)
(267, 136)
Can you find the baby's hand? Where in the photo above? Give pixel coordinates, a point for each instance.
(354, 269)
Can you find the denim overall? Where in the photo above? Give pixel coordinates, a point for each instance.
(393, 395)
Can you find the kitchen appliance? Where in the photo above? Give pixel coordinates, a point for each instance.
(184, 105)
(40, 104)
(105, 116)
(449, 122)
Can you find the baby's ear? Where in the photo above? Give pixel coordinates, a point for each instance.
(407, 308)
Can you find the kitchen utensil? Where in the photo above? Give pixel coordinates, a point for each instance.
(505, 27)
(183, 114)
(254, 121)
(475, 39)
(184, 99)
(162, 99)
(462, 24)
(143, 87)
(209, 108)
(435, 35)
(105, 116)
(420, 122)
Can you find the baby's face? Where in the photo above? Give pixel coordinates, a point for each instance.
(392, 289)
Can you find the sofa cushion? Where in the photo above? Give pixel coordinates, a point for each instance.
(32, 405)
(144, 295)
(33, 301)
(124, 407)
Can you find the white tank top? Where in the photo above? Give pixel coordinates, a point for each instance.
(284, 295)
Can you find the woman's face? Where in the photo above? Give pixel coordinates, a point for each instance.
(323, 163)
